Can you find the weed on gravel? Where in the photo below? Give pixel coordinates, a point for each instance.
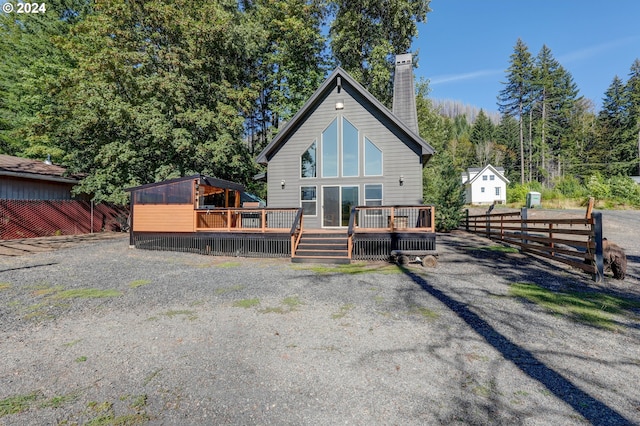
(589, 308)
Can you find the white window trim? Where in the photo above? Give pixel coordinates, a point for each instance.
(315, 201)
(364, 165)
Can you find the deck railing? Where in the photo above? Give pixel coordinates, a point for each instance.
(245, 219)
(392, 219)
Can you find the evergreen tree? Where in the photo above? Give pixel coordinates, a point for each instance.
(507, 137)
(515, 98)
(611, 121)
(483, 140)
(633, 98)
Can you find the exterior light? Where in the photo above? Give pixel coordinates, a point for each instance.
(401, 180)
(340, 105)
(282, 183)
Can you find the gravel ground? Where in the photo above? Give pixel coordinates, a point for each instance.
(184, 339)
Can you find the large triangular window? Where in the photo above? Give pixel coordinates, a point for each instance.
(308, 162)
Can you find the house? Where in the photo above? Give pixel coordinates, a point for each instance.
(344, 181)
(344, 148)
(486, 185)
(36, 201)
(26, 179)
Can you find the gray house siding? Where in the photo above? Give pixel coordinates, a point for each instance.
(401, 156)
(26, 189)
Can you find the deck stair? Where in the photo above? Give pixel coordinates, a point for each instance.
(323, 247)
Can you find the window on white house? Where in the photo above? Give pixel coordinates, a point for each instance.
(308, 200)
(492, 177)
(484, 177)
(497, 190)
(482, 189)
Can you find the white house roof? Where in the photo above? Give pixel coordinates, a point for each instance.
(498, 171)
(338, 78)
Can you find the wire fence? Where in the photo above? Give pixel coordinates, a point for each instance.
(42, 218)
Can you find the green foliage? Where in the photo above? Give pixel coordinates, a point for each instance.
(598, 187)
(570, 187)
(442, 188)
(624, 190)
(517, 193)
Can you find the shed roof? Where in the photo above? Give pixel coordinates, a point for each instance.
(340, 77)
(34, 169)
(202, 180)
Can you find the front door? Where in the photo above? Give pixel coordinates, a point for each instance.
(337, 202)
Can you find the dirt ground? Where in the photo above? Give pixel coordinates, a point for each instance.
(95, 332)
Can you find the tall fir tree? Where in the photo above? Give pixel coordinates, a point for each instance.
(632, 89)
(515, 98)
(612, 119)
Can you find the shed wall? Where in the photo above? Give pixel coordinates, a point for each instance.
(12, 188)
(163, 218)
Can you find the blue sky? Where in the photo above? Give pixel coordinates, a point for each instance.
(465, 45)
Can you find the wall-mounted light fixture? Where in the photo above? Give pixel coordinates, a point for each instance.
(401, 180)
(340, 104)
(282, 184)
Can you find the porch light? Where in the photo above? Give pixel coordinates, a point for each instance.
(340, 105)
(282, 184)
(401, 180)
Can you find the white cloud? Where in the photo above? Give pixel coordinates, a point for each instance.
(595, 50)
(449, 78)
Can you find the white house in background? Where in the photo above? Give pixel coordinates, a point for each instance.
(485, 185)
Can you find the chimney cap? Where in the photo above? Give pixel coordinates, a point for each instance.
(405, 58)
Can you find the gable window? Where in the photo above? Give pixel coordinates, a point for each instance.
(349, 149)
(330, 150)
(372, 159)
(492, 177)
(308, 162)
(484, 177)
(308, 200)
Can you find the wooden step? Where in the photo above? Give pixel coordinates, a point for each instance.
(322, 247)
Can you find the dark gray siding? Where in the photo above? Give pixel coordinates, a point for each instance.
(25, 189)
(401, 157)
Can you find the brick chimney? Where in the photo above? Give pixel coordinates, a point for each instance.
(404, 94)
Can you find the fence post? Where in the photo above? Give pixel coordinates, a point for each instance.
(467, 220)
(597, 234)
(488, 226)
(523, 226)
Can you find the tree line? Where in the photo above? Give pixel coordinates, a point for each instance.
(131, 92)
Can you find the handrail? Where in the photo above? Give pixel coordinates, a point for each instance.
(407, 218)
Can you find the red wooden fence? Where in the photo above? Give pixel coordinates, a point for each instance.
(41, 218)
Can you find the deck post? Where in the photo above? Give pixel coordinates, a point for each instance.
(597, 234)
(466, 220)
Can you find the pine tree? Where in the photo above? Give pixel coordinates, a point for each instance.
(515, 98)
(612, 120)
(632, 89)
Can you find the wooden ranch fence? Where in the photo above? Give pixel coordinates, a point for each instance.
(576, 241)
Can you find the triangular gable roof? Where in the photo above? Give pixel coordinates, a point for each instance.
(498, 171)
(283, 135)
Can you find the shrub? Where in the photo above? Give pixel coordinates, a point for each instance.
(624, 190)
(570, 187)
(598, 188)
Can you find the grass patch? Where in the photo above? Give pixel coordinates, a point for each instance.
(45, 290)
(589, 308)
(16, 404)
(354, 269)
(81, 359)
(87, 293)
(289, 304)
(106, 415)
(191, 315)
(423, 312)
(344, 310)
(225, 290)
(246, 303)
(139, 283)
(151, 376)
(60, 401)
(5, 286)
(72, 343)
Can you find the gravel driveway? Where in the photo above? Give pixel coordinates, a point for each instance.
(103, 334)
